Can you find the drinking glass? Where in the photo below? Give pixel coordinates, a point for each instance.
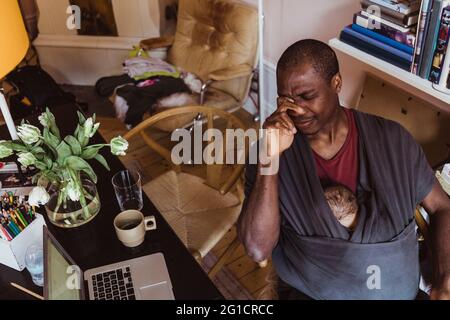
(128, 188)
(34, 262)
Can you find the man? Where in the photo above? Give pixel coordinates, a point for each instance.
(322, 144)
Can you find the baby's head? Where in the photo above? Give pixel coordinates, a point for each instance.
(343, 204)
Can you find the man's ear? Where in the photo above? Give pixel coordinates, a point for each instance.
(336, 83)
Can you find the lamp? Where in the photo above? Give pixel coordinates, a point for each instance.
(13, 47)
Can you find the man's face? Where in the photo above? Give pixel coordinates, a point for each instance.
(315, 100)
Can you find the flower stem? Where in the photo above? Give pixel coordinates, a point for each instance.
(58, 204)
(76, 177)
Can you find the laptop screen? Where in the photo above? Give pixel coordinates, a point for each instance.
(62, 277)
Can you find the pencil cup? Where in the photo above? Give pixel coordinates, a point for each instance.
(12, 253)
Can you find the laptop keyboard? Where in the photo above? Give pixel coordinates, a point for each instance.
(114, 285)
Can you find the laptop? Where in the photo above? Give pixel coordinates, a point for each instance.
(145, 278)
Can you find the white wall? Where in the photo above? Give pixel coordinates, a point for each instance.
(53, 17)
(94, 57)
(134, 18)
(287, 21)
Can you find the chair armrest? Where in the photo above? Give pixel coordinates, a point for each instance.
(157, 43)
(233, 72)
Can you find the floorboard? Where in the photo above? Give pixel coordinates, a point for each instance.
(242, 275)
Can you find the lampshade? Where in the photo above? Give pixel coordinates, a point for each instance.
(13, 36)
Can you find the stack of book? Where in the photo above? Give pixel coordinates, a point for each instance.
(410, 34)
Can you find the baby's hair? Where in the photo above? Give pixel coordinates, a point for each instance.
(343, 204)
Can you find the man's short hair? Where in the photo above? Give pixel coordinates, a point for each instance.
(316, 53)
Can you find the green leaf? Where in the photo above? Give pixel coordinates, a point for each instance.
(78, 164)
(74, 145)
(91, 151)
(81, 138)
(63, 151)
(54, 129)
(52, 177)
(15, 146)
(81, 118)
(41, 166)
(37, 150)
(50, 139)
(48, 162)
(102, 161)
(77, 131)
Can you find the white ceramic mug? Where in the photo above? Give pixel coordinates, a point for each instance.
(131, 227)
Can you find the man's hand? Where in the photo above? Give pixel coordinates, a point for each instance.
(280, 130)
(442, 292)
(437, 204)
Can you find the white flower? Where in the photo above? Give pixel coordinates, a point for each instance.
(38, 196)
(73, 191)
(27, 159)
(119, 146)
(28, 134)
(4, 150)
(96, 126)
(90, 128)
(45, 120)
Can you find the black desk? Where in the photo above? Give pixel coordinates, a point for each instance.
(95, 244)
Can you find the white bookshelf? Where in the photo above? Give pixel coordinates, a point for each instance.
(415, 85)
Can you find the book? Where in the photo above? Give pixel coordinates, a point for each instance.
(421, 29)
(405, 6)
(374, 18)
(378, 49)
(387, 29)
(431, 38)
(442, 43)
(391, 15)
(444, 81)
(383, 39)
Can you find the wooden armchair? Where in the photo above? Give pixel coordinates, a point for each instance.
(217, 40)
(200, 208)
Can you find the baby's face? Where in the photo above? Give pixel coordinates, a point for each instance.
(343, 204)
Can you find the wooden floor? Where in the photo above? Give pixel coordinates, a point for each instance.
(249, 274)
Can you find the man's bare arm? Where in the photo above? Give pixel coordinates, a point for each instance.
(437, 205)
(259, 222)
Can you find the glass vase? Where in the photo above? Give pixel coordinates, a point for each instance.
(71, 214)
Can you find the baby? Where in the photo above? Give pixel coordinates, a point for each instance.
(343, 204)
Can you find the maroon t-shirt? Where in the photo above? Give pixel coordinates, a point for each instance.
(343, 167)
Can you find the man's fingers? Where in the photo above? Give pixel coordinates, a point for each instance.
(285, 105)
(288, 121)
(280, 120)
(283, 128)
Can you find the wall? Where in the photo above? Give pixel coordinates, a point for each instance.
(145, 21)
(287, 21)
(166, 26)
(95, 57)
